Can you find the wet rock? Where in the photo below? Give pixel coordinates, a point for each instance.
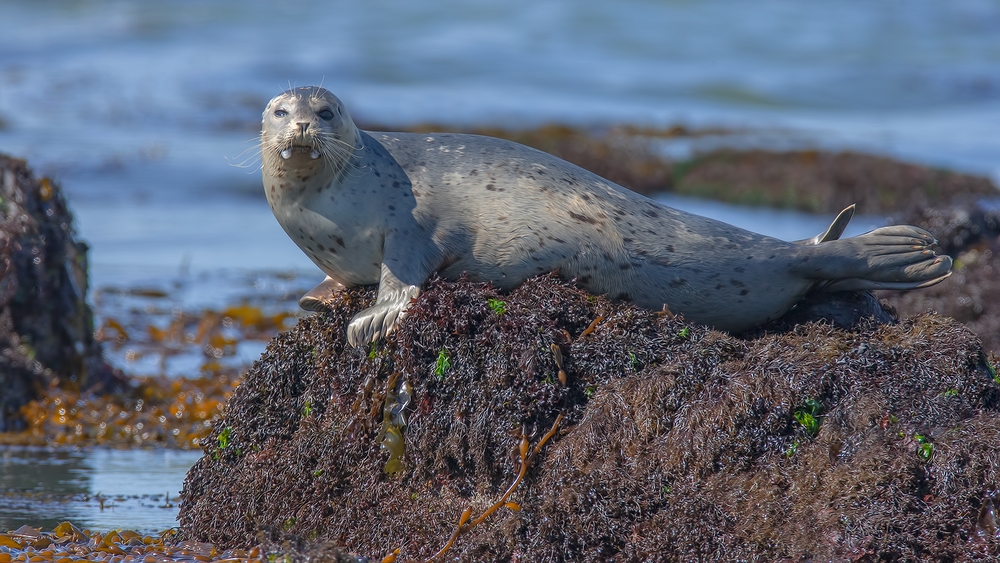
(824, 181)
(676, 442)
(46, 326)
(971, 235)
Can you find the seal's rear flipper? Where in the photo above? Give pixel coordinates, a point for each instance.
(897, 257)
(860, 284)
(835, 229)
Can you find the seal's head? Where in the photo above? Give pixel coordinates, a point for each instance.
(307, 129)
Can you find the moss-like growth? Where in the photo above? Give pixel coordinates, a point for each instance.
(671, 448)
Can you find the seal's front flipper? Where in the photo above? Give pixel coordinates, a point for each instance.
(375, 322)
(408, 258)
(316, 298)
(835, 229)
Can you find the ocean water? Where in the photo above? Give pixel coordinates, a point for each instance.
(96, 488)
(143, 110)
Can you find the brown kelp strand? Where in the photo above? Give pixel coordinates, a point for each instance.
(397, 398)
(173, 410)
(211, 338)
(525, 460)
(156, 412)
(68, 544)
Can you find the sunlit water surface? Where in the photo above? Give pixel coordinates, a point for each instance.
(99, 489)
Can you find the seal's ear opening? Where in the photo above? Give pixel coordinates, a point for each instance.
(835, 229)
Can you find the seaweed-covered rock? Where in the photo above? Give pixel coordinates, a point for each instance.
(675, 442)
(46, 326)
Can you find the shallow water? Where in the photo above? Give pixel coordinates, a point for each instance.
(180, 306)
(99, 489)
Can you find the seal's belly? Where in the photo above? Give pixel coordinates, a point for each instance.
(349, 253)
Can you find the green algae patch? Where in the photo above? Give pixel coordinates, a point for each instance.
(667, 448)
(809, 416)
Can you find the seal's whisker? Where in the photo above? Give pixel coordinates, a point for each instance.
(328, 136)
(274, 147)
(249, 157)
(335, 160)
(339, 146)
(254, 149)
(338, 153)
(340, 150)
(254, 160)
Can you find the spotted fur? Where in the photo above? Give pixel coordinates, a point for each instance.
(392, 208)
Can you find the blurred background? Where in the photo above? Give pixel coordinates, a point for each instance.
(147, 113)
(144, 110)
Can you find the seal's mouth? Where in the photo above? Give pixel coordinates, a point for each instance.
(287, 153)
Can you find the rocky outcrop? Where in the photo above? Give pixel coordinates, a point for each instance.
(825, 181)
(673, 443)
(46, 326)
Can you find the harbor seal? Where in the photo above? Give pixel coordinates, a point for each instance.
(393, 208)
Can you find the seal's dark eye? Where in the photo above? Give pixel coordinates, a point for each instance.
(280, 113)
(325, 114)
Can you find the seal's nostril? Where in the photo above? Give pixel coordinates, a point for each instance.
(303, 126)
